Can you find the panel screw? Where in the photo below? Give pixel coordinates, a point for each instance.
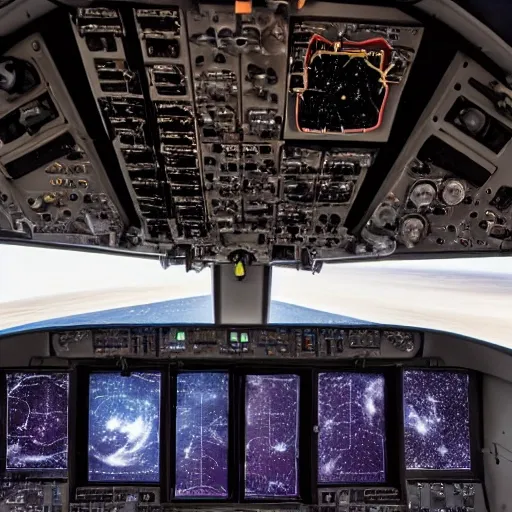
(36, 46)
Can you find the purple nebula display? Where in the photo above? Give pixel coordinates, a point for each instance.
(202, 435)
(124, 427)
(351, 422)
(37, 421)
(436, 420)
(271, 431)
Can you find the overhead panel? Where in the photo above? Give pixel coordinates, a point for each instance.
(250, 136)
(116, 85)
(163, 40)
(450, 189)
(53, 186)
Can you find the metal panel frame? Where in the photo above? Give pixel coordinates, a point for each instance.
(432, 122)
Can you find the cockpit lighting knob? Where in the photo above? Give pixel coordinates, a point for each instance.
(412, 230)
(422, 194)
(453, 192)
(17, 76)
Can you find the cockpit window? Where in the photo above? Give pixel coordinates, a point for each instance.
(469, 296)
(56, 288)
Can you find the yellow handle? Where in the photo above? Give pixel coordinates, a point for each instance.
(239, 269)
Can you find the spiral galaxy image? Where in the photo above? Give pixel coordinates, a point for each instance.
(124, 427)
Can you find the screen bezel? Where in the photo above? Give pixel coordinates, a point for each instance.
(81, 418)
(32, 473)
(306, 369)
(393, 473)
(231, 436)
(475, 431)
(302, 430)
(309, 489)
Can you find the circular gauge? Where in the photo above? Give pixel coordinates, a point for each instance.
(8, 74)
(37, 203)
(412, 230)
(453, 192)
(473, 120)
(422, 194)
(274, 37)
(384, 215)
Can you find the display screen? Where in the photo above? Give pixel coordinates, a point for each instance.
(202, 435)
(436, 420)
(124, 427)
(37, 421)
(271, 435)
(351, 423)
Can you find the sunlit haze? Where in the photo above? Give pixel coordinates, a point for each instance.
(27, 272)
(469, 296)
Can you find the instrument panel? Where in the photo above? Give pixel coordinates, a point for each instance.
(240, 343)
(446, 191)
(367, 450)
(422, 497)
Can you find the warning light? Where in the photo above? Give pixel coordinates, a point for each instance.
(244, 338)
(233, 337)
(243, 7)
(180, 336)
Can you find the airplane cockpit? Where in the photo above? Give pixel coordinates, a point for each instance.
(277, 148)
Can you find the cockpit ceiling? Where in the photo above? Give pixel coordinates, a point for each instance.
(273, 136)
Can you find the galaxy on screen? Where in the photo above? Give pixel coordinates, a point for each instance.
(124, 427)
(436, 420)
(202, 407)
(37, 421)
(271, 435)
(351, 423)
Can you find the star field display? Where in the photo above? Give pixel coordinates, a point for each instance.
(124, 427)
(37, 421)
(436, 420)
(271, 431)
(202, 435)
(351, 422)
